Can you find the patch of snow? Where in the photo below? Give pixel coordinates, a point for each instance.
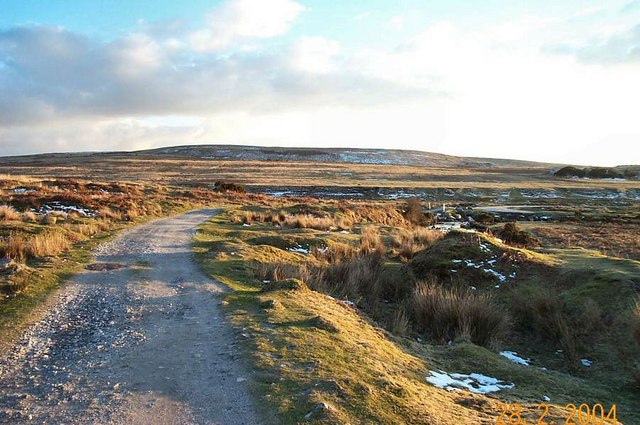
(545, 398)
(57, 206)
(586, 362)
(499, 275)
(23, 190)
(245, 225)
(513, 356)
(484, 247)
(299, 249)
(344, 232)
(474, 382)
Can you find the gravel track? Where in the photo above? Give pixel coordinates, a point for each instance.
(143, 342)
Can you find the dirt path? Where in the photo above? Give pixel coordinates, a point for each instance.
(144, 343)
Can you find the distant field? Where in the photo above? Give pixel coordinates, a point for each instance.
(282, 175)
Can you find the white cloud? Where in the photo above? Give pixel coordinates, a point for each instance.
(241, 20)
(314, 55)
(397, 22)
(484, 92)
(619, 46)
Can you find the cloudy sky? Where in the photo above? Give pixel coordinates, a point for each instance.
(541, 80)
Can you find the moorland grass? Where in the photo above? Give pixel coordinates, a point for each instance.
(353, 366)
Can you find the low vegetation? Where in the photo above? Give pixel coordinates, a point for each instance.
(310, 300)
(348, 306)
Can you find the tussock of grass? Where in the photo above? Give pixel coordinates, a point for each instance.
(47, 244)
(454, 315)
(7, 213)
(407, 242)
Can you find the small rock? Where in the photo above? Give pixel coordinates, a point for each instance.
(269, 304)
(319, 410)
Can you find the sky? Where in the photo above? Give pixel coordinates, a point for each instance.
(545, 80)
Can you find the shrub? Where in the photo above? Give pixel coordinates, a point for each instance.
(447, 315)
(512, 235)
(7, 213)
(570, 171)
(414, 213)
(483, 217)
(229, 187)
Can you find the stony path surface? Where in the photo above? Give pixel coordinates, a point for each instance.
(143, 343)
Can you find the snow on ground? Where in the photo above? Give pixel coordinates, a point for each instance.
(486, 266)
(474, 382)
(513, 356)
(22, 190)
(299, 249)
(585, 362)
(57, 206)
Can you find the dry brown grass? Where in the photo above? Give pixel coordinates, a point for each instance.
(335, 252)
(14, 247)
(449, 315)
(276, 271)
(406, 242)
(48, 244)
(29, 217)
(370, 241)
(363, 280)
(310, 222)
(48, 219)
(546, 315)
(383, 214)
(620, 240)
(131, 214)
(7, 213)
(107, 213)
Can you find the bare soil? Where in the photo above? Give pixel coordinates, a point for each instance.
(143, 343)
